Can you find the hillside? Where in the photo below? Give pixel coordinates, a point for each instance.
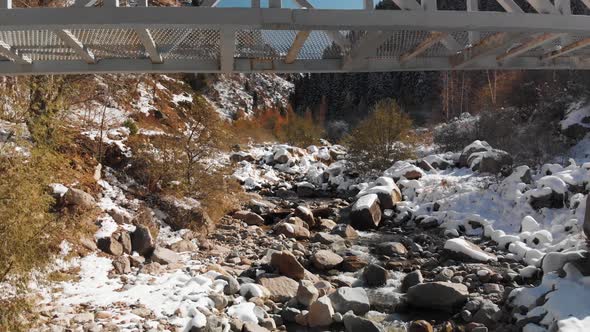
(159, 225)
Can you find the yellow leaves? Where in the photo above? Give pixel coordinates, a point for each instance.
(382, 138)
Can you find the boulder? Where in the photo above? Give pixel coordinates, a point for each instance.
(326, 260)
(241, 156)
(185, 213)
(184, 246)
(79, 200)
(110, 246)
(142, 241)
(125, 241)
(122, 265)
(353, 263)
(488, 314)
(326, 224)
(366, 212)
(305, 189)
(292, 231)
(353, 323)
(136, 261)
(345, 299)
(475, 146)
(374, 275)
(437, 295)
(305, 214)
(232, 287)
(152, 268)
(261, 206)
(164, 256)
(345, 231)
(327, 238)
(411, 279)
(386, 190)
(287, 265)
(249, 217)
(492, 161)
(307, 293)
(281, 289)
(253, 327)
(546, 198)
(320, 312)
(420, 326)
(425, 165)
(281, 156)
(391, 249)
(464, 250)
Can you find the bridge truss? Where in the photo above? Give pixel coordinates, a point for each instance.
(103, 36)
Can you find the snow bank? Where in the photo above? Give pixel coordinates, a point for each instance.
(461, 246)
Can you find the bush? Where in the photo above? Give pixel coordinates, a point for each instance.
(301, 131)
(27, 228)
(180, 163)
(456, 134)
(381, 139)
(132, 126)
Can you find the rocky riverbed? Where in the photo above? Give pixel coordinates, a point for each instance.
(449, 242)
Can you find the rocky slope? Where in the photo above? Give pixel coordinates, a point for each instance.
(441, 243)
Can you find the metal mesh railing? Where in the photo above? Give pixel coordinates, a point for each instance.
(187, 43)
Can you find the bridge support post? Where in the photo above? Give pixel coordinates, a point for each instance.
(275, 3)
(474, 36)
(5, 4)
(111, 3)
(227, 50)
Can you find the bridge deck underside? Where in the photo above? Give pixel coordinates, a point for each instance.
(290, 46)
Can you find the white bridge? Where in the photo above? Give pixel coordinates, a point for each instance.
(105, 36)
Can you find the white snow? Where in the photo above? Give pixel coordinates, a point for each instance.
(461, 246)
(365, 202)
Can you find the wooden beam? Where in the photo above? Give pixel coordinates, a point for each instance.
(543, 7)
(296, 47)
(587, 3)
(338, 38)
(566, 49)
(75, 44)
(304, 4)
(85, 3)
(13, 54)
(368, 4)
(429, 5)
(366, 47)
(255, 3)
(147, 40)
(529, 45)
(228, 48)
(5, 4)
(474, 36)
(564, 6)
(486, 47)
(110, 3)
(149, 45)
(510, 6)
(434, 38)
(210, 3)
(407, 4)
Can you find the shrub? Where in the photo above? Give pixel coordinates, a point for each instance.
(301, 131)
(381, 139)
(132, 126)
(27, 229)
(180, 163)
(456, 134)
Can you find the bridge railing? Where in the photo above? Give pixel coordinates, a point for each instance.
(415, 35)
